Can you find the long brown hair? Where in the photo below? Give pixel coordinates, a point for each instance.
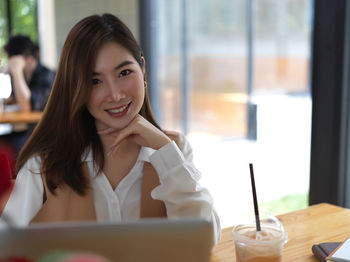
(67, 129)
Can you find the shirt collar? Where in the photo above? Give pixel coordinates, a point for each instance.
(144, 155)
(87, 155)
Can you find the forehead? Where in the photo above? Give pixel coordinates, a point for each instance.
(111, 54)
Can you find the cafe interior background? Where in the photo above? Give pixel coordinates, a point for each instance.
(248, 81)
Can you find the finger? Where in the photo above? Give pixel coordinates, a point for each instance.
(112, 151)
(120, 137)
(124, 134)
(106, 131)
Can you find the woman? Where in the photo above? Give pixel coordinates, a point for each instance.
(98, 153)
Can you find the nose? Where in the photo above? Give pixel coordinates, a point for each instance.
(115, 91)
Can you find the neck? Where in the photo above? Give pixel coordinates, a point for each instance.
(124, 148)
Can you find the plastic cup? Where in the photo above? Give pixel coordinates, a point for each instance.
(263, 246)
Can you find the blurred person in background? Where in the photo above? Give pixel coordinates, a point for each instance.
(31, 84)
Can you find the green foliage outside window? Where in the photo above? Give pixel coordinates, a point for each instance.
(24, 18)
(3, 30)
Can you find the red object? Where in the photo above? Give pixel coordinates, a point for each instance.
(16, 259)
(84, 257)
(7, 162)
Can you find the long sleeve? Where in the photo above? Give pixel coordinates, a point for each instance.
(179, 185)
(27, 196)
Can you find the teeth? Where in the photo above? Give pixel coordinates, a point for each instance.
(115, 111)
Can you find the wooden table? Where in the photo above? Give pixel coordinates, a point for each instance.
(313, 225)
(20, 117)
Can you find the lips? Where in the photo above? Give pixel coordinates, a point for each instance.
(118, 110)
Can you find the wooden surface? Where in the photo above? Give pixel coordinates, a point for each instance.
(313, 225)
(20, 117)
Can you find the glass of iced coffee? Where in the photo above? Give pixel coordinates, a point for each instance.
(260, 246)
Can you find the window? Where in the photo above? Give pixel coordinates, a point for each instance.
(209, 49)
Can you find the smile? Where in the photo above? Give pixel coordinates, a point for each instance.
(119, 109)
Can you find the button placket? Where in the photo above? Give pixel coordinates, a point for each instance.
(112, 199)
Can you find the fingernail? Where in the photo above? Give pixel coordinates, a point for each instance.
(112, 151)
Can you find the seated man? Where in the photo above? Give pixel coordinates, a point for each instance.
(31, 83)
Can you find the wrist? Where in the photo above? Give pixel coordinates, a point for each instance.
(164, 141)
(17, 74)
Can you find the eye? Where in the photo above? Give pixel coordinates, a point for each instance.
(95, 81)
(125, 72)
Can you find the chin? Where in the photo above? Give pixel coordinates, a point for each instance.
(120, 125)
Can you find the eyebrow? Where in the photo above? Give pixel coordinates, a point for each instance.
(122, 64)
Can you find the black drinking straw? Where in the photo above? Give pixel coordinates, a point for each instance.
(256, 208)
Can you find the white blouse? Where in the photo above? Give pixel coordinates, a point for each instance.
(179, 189)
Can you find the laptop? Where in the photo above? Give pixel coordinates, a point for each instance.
(146, 240)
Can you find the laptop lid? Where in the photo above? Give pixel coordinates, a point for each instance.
(146, 240)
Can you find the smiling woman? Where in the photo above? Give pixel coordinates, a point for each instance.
(98, 153)
(117, 88)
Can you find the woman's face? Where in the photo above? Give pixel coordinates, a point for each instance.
(117, 87)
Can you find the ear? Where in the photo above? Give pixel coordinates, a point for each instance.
(143, 65)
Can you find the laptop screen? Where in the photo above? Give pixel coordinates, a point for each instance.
(144, 240)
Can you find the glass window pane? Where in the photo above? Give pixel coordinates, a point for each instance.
(218, 50)
(3, 31)
(24, 18)
(170, 63)
(218, 115)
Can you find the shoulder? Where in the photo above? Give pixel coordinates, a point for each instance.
(32, 166)
(27, 195)
(43, 75)
(44, 69)
(29, 177)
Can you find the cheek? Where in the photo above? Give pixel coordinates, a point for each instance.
(140, 94)
(135, 88)
(95, 98)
